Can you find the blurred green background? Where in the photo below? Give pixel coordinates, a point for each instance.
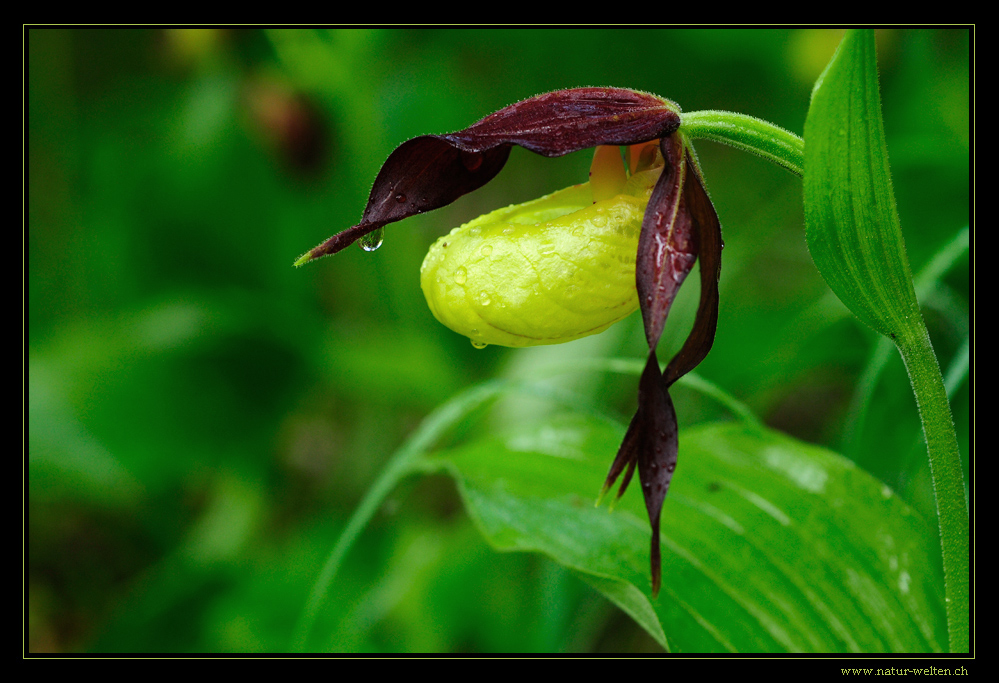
(203, 417)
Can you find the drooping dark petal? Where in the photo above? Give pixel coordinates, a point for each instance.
(422, 174)
(707, 235)
(657, 458)
(431, 171)
(626, 479)
(627, 456)
(680, 226)
(652, 444)
(667, 246)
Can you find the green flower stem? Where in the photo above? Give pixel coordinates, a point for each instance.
(948, 477)
(748, 133)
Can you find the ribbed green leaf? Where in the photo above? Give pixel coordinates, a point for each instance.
(850, 215)
(769, 544)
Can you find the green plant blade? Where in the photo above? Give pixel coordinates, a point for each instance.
(855, 240)
(850, 215)
(769, 544)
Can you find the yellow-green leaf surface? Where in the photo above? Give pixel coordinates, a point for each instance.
(768, 544)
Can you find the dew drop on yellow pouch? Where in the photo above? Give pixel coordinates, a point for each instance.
(547, 271)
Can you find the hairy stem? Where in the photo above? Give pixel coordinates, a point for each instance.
(748, 133)
(948, 478)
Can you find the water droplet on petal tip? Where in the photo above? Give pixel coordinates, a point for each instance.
(372, 240)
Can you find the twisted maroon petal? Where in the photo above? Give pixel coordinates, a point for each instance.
(707, 235)
(680, 225)
(657, 460)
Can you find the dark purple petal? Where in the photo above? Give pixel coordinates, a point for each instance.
(564, 121)
(680, 226)
(627, 455)
(657, 458)
(626, 479)
(707, 235)
(422, 174)
(432, 171)
(666, 247)
(652, 444)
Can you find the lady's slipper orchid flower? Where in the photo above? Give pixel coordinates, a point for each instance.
(565, 266)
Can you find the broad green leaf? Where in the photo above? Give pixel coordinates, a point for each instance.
(850, 215)
(769, 544)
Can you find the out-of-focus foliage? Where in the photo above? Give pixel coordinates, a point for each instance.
(203, 417)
